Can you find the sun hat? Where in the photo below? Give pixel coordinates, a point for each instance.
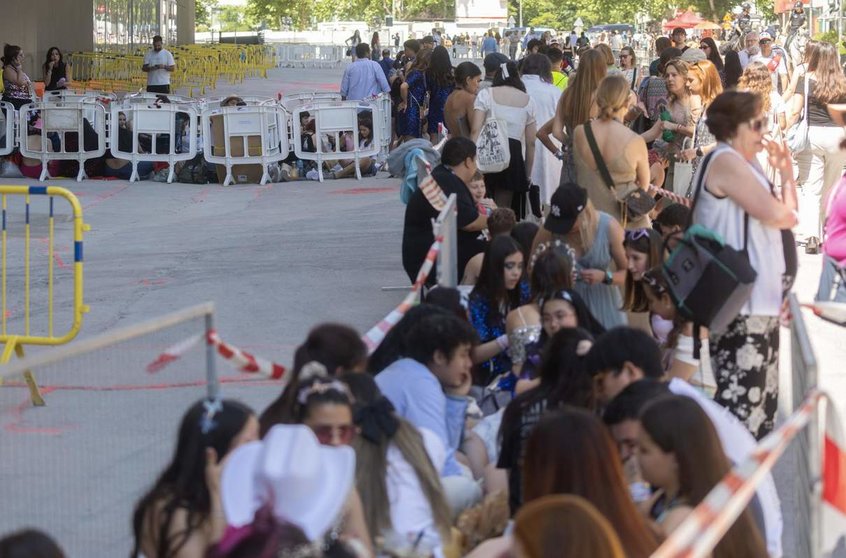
(304, 482)
(567, 202)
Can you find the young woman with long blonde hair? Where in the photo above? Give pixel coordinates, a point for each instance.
(575, 107)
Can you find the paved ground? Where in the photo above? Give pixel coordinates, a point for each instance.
(276, 260)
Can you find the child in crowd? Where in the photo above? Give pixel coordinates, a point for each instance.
(477, 190)
(182, 514)
(685, 356)
(680, 454)
(429, 389)
(501, 220)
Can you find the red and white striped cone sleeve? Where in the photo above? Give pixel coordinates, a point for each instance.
(174, 352)
(669, 195)
(702, 530)
(833, 516)
(244, 361)
(377, 333)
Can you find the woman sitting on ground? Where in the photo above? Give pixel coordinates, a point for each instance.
(365, 139)
(181, 516)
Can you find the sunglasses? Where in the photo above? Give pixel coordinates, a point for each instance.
(326, 434)
(760, 125)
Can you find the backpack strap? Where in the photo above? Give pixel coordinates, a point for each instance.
(699, 185)
(597, 156)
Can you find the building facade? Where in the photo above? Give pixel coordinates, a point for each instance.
(86, 25)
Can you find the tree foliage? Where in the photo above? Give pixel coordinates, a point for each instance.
(304, 13)
(203, 13)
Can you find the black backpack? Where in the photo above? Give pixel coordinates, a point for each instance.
(193, 171)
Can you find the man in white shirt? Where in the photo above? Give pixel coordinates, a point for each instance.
(616, 44)
(158, 64)
(752, 49)
(773, 60)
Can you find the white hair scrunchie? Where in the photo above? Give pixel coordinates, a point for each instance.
(505, 74)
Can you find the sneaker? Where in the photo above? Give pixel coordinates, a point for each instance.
(337, 168)
(312, 175)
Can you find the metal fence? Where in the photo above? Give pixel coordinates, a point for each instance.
(77, 467)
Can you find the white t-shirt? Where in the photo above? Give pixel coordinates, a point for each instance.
(517, 117)
(153, 58)
(776, 68)
(410, 510)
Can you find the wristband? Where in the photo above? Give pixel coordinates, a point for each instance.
(608, 278)
(502, 341)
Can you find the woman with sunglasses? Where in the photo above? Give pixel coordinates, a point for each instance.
(733, 185)
(324, 404)
(712, 53)
(704, 81)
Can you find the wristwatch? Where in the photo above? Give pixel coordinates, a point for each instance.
(608, 278)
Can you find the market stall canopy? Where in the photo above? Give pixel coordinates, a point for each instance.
(707, 25)
(688, 20)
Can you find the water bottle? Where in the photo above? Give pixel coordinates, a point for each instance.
(668, 135)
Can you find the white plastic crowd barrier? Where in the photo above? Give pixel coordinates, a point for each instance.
(331, 122)
(7, 128)
(248, 135)
(160, 123)
(293, 100)
(382, 119)
(66, 122)
(311, 56)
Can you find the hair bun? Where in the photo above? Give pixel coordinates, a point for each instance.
(312, 370)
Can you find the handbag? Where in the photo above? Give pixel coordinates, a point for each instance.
(682, 173)
(492, 151)
(708, 280)
(635, 201)
(797, 135)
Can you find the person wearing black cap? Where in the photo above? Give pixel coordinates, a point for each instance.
(597, 240)
(458, 165)
(492, 63)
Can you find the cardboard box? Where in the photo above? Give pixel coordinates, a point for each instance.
(241, 174)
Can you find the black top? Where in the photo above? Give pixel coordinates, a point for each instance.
(817, 111)
(59, 72)
(520, 418)
(417, 236)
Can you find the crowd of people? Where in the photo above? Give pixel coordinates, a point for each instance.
(560, 402)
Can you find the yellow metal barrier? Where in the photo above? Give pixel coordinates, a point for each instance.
(15, 340)
(198, 67)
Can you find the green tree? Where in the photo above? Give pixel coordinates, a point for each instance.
(203, 13)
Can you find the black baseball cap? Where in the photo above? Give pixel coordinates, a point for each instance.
(493, 61)
(566, 205)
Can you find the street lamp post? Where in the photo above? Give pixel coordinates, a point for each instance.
(521, 13)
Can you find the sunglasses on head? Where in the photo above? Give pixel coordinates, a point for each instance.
(325, 434)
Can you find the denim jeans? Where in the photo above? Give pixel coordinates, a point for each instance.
(832, 287)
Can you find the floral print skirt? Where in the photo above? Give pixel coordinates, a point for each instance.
(745, 362)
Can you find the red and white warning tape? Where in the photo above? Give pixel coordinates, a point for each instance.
(669, 195)
(240, 359)
(377, 333)
(705, 526)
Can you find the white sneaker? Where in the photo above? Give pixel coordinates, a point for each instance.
(337, 168)
(312, 175)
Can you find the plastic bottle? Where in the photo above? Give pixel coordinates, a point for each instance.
(668, 135)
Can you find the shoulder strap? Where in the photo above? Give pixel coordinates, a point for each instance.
(805, 111)
(700, 179)
(597, 156)
(634, 77)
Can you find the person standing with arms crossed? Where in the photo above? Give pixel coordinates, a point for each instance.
(158, 64)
